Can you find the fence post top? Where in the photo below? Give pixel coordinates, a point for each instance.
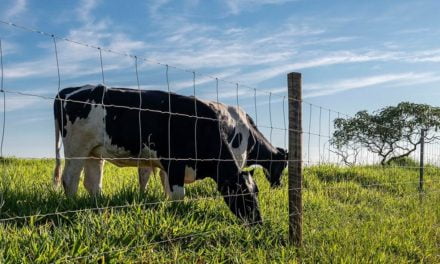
(294, 74)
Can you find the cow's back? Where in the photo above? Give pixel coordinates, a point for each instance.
(138, 124)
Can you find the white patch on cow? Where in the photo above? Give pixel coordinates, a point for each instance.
(178, 193)
(190, 175)
(82, 136)
(86, 137)
(239, 121)
(84, 133)
(240, 153)
(234, 118)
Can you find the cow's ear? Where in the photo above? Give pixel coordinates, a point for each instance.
(282, 151)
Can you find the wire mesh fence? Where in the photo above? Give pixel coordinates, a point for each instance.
(222, 128)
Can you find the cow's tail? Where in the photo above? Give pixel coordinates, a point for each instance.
(57, 171)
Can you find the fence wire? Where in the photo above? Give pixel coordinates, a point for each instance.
(317, 134)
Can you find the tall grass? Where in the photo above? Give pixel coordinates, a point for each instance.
(351, 215)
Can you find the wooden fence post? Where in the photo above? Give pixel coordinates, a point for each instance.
(295, 158)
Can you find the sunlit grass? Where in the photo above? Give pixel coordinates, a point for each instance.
(351, 215)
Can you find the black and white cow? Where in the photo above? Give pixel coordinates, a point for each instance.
(97, 124)
(259, 152)
(240, 126)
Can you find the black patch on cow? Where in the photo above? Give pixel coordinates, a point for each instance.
(236, 142)
(77, 102)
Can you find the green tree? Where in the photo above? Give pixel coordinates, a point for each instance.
(392, 133)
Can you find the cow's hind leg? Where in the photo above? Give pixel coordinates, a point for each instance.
(165, 184)
(173, 181)
(93, 169)
(144, 176)
(57, 174)
(71, 174)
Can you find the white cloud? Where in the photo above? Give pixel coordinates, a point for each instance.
(16, 102)
(236, 7)
(317, 61)
(9, 48)
(18, 7)
(200, 80)
(84, 10)
(155, 6)
(77, 60)
(28, 69)
(34, 119)
(193, 45)
(432, 55)
(412, 31)
(399, 79)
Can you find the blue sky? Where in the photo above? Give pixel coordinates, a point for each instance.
(353, 55)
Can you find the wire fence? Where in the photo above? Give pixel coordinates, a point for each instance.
(235, 105)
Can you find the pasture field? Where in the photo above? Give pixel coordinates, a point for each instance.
(351, 215)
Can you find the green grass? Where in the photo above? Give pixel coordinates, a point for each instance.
(351, 215)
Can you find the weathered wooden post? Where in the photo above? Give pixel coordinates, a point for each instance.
(422, 159)
(295, 158)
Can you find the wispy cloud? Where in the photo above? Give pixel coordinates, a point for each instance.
(34, 119)
(9, 48)
(236, 7)
(432, 55)
(398, 79)
(84, 10)
(76, 60)
(318, 61)
(17, 8)
(155, 6)
(28, 69)
(17, 102)
(412, 31)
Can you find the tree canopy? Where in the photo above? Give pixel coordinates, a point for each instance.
(392, 132)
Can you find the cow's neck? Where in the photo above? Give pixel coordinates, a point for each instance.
(261, 155)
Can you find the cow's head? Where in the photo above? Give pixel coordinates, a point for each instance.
(277, 165)
(242, 198)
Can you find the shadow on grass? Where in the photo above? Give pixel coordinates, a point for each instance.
(43, 207)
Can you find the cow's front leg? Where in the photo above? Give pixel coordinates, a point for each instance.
(71, 174)
(93, 169)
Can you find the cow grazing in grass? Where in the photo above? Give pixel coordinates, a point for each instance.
(96, 124)
(259, 153)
